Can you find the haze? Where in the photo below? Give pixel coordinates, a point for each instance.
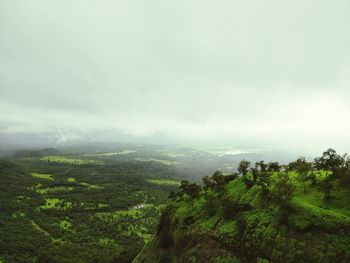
(246, 73)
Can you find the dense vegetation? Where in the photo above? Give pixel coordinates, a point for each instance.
(79, 207)
(298, 212)
(104, 206)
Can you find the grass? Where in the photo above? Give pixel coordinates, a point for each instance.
(209, 222)
(54, 189)
(312, 224)
(56, 203)
(309, 215)
(227, 228)
(312, 210)
(69, 160)
(125, 152)
(165, 162)
(91, 205)
(91, 186)
(310, 207)
(65, 224)
(172, 154)
(142, 232)
(18, 214)
(132, 213)
(43, 176)
(164, 182)
(106, 241)
(71, 180)
(314, 197)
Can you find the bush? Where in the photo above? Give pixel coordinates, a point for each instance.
(163, 232)
(210, 206)
(230, 208)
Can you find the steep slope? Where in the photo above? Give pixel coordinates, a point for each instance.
(239, 224)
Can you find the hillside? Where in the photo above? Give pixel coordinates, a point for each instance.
(276, 217)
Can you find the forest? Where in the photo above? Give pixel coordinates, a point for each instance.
(59, 207)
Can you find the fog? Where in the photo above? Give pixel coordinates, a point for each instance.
(241, 73)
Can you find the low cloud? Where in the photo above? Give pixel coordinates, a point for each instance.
(272, 73)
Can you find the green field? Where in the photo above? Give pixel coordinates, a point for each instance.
(54, 189)
(42, 176)
(125, 152)
(65, 224)
(56, 203)
(91, 186)
(164, 182)
(69, 160)
(172, 154)
(71, 180)
(106, 241)
(18, 214)
(166, 162)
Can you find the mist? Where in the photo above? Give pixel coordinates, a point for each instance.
(271, 74)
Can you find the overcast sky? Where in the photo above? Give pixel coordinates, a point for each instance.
(255, 72)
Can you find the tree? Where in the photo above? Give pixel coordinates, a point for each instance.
(219, 179)
(163, 231)
(248, 183)
(329, 161)
(264, 182)
(302, 167)
(346, 162)
(191, 189)
(255, 174)
(261, 165)
(343, 173)
(172, 195)
(282, 191)
(243, 167)
(312, 178)
(208, 182)
(273, 167)
(326, 185)
(184, 186)
(210, 205)
(344, 176)
(230, 207)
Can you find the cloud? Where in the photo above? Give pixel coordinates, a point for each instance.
(270, 72)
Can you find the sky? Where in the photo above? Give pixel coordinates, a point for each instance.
(249, 73)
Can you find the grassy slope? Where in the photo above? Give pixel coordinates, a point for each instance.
(312, 230)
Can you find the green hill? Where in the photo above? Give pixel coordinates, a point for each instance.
(251, 222)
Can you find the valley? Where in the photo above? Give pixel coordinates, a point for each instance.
(89, 205)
